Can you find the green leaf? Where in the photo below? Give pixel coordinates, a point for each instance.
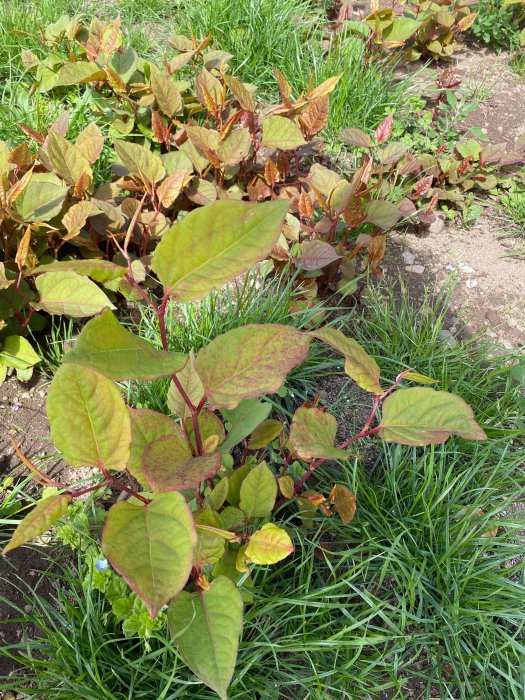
(383, 214)
(359, 365)
(269, 545)
(165, 92)
(146, 427)
(17, 352)
(99, 270)
(206, 627)
(401, 29)
(423, 416)
(214, 244)
(312, 434)
(249, 361)
(125, 63)
(88, 418)
(258, 492)
(70, 294)
(192, 386)
(235, 480)
(210, 544)
(42, 199)
(243, 419)
(79, 72)
(151, 546)
(210, 426)
(105, 345)
(235, 148)
(66, 159)
(168, 464)
(219, 493)
(141, 163)
(40, 519)
(90, 142)
(264, 433)
(282, 133)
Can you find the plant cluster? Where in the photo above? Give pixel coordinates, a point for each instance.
(200, 513)
(420, 27)
(498, 23)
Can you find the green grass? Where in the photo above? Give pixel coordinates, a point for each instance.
(418, 591)
(193, 325)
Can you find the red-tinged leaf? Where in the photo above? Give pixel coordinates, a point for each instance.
(356, 137)
(316, 254)
(31, 133)
(384, 130)
(284, 86)
(170, 188)
(168, 464)
(249, 361)
(422, 186)
(152, 546)
(269, 545)
(40, 519)
(314, 116)
(382, 214)
(312, 435)
(325, 88)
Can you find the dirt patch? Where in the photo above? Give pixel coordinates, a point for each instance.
(501, 114)
(23, 419)
(489, 296)
(29, 564)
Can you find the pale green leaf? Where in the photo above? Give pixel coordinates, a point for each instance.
(312, 434)
(66, 159)
(40, 519)
(89, 420)
(424, 416)
(258, 492)
(106, 346)
(141, 163)
(269, 545)
(282, 133)
(17, 352)
(206, 626)
(71, 294)
(265, 433)
(191, 384)
(359, 365)
(42, 199)
(151, 546)
(79, 72)
(99, 270)
(146, 427)
(214, 244)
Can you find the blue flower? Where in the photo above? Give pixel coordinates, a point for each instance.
(102, 565)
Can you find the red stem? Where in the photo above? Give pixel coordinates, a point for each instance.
(115, 482)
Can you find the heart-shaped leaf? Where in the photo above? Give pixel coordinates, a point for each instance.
(151, 546)
(423, 416)
(206, 627)
(282, 133)
(146, 427)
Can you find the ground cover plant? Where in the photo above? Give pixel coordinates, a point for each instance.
(175, 539)
(498, 23)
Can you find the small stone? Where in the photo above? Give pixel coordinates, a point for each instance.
(507, 344)
(492, 334)
(416, 269)
(41, 394)
(493, 317)
(408, 257)
(512, 323)
(448, 339)
(450, 268)
(25, 395)
(466, 269)
(27, 608)
(470, 284)
(437, 225)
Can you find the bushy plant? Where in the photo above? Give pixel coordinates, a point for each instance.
(498, 23)
(201, 512)
(421, 27)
